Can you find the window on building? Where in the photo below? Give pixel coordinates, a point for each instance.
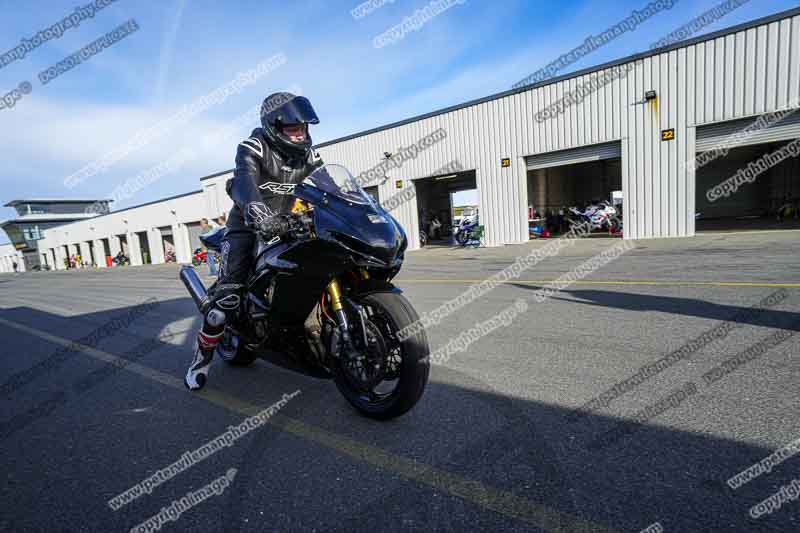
(31, 233)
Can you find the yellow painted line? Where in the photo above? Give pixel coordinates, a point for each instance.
(673, 283)
(475, 492)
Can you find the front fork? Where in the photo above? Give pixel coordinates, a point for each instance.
(335, 294)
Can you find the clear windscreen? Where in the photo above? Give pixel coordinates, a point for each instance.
(337, 180)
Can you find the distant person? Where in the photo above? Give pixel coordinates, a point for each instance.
(208, 227)
(222, 220)
(434, 227)
(16, 266)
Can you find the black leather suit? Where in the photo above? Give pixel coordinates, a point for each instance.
(261, 189)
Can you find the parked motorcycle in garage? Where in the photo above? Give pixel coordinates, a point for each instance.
(465, 229)
(322, 299)
(435, 229)
(787, 211)
(423, 238)
(121, 259)
(601, 216)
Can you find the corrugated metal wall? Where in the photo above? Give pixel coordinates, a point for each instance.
(741, 74)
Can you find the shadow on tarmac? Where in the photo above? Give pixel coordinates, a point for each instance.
(692, 307)
(527, 448)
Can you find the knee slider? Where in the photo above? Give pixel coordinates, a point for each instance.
(228, 303)
(215, 318)
(227, 299)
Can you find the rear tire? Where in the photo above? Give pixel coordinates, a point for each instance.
(413, 369)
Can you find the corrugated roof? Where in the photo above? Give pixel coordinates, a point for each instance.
(14, 203)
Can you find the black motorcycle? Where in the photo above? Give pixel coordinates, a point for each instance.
(321, 301)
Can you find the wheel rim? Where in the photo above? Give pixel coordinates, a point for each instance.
(375, 377)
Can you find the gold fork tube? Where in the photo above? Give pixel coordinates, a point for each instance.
(336, 294)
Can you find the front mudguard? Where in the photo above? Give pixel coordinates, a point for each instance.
(369, 286)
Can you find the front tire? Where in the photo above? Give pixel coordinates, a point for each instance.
(391, 312)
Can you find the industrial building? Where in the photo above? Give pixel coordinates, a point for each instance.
(634, 125)
(10, 255)
(35, 216)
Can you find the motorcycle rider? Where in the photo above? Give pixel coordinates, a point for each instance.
(269, 164)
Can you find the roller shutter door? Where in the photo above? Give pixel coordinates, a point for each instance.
(584, 154)
(195, 230)
(713, 135)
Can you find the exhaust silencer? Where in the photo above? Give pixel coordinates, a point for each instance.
(195, 287)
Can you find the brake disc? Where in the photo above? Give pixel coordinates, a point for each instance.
(368, 367)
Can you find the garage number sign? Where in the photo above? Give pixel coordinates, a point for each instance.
(668, 135)
(505, 162)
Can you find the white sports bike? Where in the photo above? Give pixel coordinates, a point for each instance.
(601, 216)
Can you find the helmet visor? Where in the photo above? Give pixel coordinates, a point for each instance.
(296, 111)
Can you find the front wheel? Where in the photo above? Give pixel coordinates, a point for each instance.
(387, 377)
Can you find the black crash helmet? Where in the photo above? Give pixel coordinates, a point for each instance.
(286, 109)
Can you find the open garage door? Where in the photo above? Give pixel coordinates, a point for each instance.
(168, 244)
(771, 201)
(436, 202)
(770, 198)
(571, 178)
(144, 247)
(195, 230)
(91, 252)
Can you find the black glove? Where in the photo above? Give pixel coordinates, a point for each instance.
(295, 226)
(272, 227)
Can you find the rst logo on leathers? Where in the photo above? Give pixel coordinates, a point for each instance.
(278, 188)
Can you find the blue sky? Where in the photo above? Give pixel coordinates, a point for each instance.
(185, 49)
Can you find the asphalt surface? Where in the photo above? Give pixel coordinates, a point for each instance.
(499, 442)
